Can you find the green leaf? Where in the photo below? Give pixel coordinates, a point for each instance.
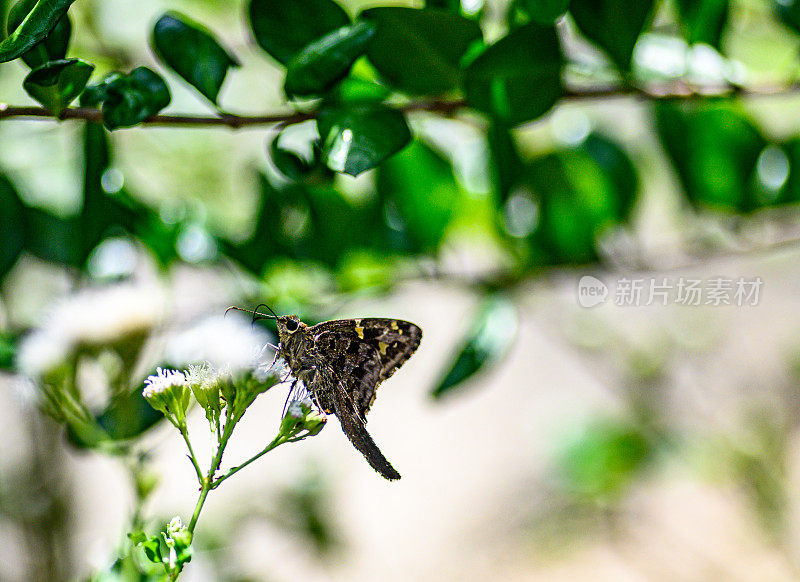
(308, 223)
(53, 47)
(451, 5)
(505, 165)
(94, 95)
(493, 330)
(132, 98)
(703, 20)
(361, 270)
(57, 83)
(102, 212)
(603, 461)
(420, 192)
(581, 192)
(358, 137)
(352, 90)
(420, 51)
(192, 52)
(615, 25)
(128, 416)
(137, 537)
(324, 62)
(52, 238)
(283, 28)
(8, 350)
(789, 193)
(714, 147)
(287, 162)
(545, 11)
(788, 11)
(618, 168)
(42, 18)
(158, 237)
(12, 225)
(518, 78)
(152, 548)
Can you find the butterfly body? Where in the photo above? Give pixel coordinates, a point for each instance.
(342, 362)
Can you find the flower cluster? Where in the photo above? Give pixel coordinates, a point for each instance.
(220, 392)
(118, 316)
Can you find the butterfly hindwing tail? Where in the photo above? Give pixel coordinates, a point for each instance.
(354, 428)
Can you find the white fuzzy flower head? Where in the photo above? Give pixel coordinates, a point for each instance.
(92, 317)
(301, 420)
(168, 391)
(207, 384)
(162, 381)
(42, 352)
(105, 314)
(222, 341)
(300, 407)
(175, 526)
(178, 539)
(295, 409)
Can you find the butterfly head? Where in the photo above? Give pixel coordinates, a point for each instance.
(288, 324)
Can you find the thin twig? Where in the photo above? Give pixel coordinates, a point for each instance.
(654, 92)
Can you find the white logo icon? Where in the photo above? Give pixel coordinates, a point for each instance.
(591, 291)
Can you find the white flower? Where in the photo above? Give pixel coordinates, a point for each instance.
(103, 314)
(175, 526)
(168, 391)
(222, 341)
(41, 352)
(299, 407)
(296, 409)
(93, 316)
(202, 374)
(162, 381)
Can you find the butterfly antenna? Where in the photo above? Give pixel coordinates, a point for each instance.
(256, 315)
(269, 308)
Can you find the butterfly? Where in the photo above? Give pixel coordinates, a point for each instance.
(341, 363)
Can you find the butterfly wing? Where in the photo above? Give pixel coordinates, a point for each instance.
(352, 425)
(366, 350)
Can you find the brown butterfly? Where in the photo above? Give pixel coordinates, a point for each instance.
(341, 362)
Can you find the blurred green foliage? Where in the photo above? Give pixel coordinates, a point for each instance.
(600, 464)
(551, 205)
(377, 191)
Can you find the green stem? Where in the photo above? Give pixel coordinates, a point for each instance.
(277, 441)
(185, 434)
(200, 501)
(206, 483)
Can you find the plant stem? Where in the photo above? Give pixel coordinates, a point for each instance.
(206, 483)
(277, 441)
(185, 434)
(666, 91)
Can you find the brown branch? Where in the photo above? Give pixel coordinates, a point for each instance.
(670, 91)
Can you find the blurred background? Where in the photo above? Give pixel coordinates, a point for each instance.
(541, 435)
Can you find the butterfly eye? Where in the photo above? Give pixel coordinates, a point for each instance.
(291, 325)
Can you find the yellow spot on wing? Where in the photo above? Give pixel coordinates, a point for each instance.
(394, 325)
(359, 329)
(383, 347)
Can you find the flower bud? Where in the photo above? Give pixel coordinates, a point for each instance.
(301, 420)
(207, 383)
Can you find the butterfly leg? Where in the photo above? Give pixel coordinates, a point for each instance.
(288, 396)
